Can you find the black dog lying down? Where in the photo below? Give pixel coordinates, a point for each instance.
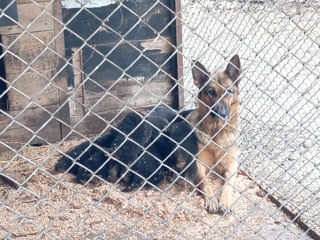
(140, 150)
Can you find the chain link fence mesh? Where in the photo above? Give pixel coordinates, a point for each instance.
(48, 60)
(280, 44)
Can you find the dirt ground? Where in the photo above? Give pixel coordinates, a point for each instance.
(52, 206)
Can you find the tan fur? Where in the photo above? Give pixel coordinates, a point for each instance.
(216, 140)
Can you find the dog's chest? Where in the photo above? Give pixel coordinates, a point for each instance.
(215, 149)
(226, 138)
(213, 136)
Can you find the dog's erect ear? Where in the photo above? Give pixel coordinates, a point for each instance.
(199, 73)
(234, 68)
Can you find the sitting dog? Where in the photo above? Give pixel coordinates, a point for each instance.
(217, 128)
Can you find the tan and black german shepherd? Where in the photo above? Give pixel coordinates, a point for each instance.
(217, 128)
(208, 132)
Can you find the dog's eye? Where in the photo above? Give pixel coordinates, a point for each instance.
(212, 92)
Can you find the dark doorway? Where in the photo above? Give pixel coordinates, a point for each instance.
(3, 84)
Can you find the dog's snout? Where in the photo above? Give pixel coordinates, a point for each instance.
(221, 111)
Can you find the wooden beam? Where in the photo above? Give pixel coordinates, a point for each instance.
(179, 54)
(76, 100)
(62, 80)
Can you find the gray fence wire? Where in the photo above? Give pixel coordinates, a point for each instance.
(278, 43)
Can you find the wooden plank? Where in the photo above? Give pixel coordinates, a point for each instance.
(159, 86)
(132, 95)
(58, 26)
(4, 121)
(179, 45)
(77, 97)
(121, 20)
(31, 116)
(31, 83)
(34, 118)
(125, 56)
(27, 13)
(93, 125)
(62, 80)
(161, 44)
(18, 136)
(28, 48)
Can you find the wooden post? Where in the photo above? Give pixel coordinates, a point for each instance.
(62, 79)
(77, 111)
(179, 54)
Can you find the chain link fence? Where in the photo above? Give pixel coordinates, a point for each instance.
(70, 70)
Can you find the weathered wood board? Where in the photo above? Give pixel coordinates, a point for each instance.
(35, 86)
(29, 50)
(128, 61)
(114, 59)
(34, 68)
(29, 125)
(32, 17)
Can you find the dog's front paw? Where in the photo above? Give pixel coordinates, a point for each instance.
(225, 202)
(211, 206)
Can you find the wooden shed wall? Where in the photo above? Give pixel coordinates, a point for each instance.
(32, 62)
(110, 41)
(111, 61)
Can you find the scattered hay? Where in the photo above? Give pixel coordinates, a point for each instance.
(54, 206)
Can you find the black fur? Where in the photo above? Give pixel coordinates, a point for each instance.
(169, 114)
(185, 143)
(92, 156)
(94, 162)
(182, 143)
(149, 164)
(82, 153)
(139, 152)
